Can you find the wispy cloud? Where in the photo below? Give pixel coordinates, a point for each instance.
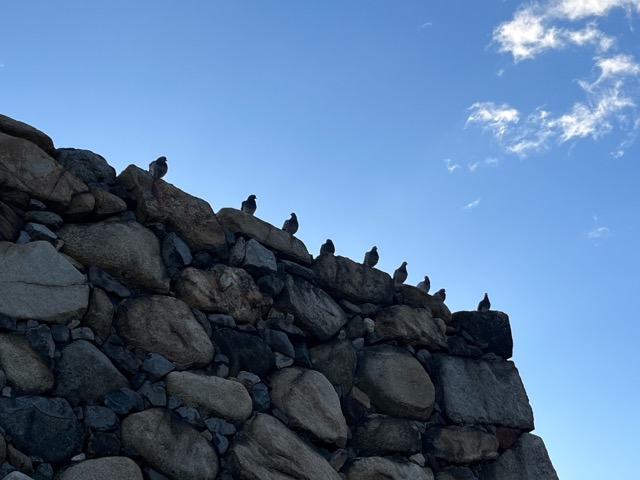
(471, 205)
(426, 24)
(492, 117)
(598, 232)
(452, 167)
(473, 166)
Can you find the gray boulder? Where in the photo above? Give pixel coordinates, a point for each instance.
(170, 445)
(337, 361)
(19, 129)
(23, 367)
(106, 204)
(257, 259)
(460, 445)
(315, 312)
(222, 289)
(85, 375)
(491, 330)
(382, 435)
(164, 325)
(396, 382)
(526, 460)
(410, 326)
(310, 403)
(40, 284)
(266, 449)
(211, 396)
(90, 167)
(345, 279)
(99, 316)
(499, 397)
(126, 250)
(286, 245)
(369, 468)
(106, 468)
(414, 297)
(48, 219)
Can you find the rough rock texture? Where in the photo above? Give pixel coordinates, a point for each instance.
(244, 352)
(315, 312)
(410, 326)
(461, 445)
(527, 460)
(99, 316)
(10, 223)
(126, 250)
(266, 449)
(240, 223)
(499, 397)
(90, 167)
(23, 367)
(370, 468)
(106, 203)
(164, 325)
(336, 361)
(190, 217)
(222, 289)
(170, 445)
(310, 403)
(356, 282)
(382, 435)
(410, 295)
(211, 396)
(49, 290)
(396, 382)
(85, 375)
(490, 329)
(106, 468)
(19, 129)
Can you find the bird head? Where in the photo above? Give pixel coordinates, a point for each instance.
(426, 278)
(374, 249)
(404, 264)
(252, 197)
(293, 215)
(161, 159)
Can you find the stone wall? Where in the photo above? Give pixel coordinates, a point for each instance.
(143, 336)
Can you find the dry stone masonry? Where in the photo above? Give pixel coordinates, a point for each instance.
(145, 336)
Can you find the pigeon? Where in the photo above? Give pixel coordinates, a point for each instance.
(485, 304)
(371, 257)
(291, 225)
(158, 168)
(400, 275)
(249, 205)
(440, 295)
(425, 285)
(328, 247)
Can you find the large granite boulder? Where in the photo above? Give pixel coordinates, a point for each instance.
(310, 403)
(287, 246)
(89, 167)
(85, 375)
(164, 325)
(345, 279)
(314, 311)
(211, 396)
(126, 250)
(369, 468)
(40, 284)
(337, 361)
(266, 449)
(244, 351)
(396, 382)
(499, 397)
(383, 435)
(19, 129)
(190, 217)
(27, 168)
(42, 427)
(526, 460)
(170, 445)
(460, 445)
(222, 289)
(491, 330)
(23, 367)
(410, 326)
(106, 468)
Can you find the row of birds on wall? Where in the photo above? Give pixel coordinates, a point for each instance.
(158, 169)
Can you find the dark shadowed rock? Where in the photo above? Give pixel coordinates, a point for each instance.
(106, 204)
(48, 219)
(310, 403)
(123, 401)
(10, 223)
(527, 460)
(498, 398)
(315, 312)
(175, 254)
(460, 445)
(22, 130)
(85, 375)
(245, 352)
(369, 468)
(102, 279)
(46, 428)
(24, 369)
(258, 260)
(336, 360)
(276, 239)
(90, 167)
(100, 419)
(491, 330)
(126, 250)
(41, 340)
(49, 290)
(456, 473)
(164, 325)
(278, 342)
(382, 435)
(99, 316)
(395, 382)
(156, 366)
(222, 289)
(410, 326)
(266, 449)
(190, 217)
(106, 468)
(343, 278)
(170, 445)
(122, 357)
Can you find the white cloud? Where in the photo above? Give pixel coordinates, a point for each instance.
(474, 166)
(426, 24)
(577, 9)
(599, 233)
(495, 118)
(473, 204)
(452, 167)
(492, 162)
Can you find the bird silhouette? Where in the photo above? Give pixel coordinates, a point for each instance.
(291, 225)
(158, 168)
(328, 247)
(440, 295)
(249, 205)
(371, 257)
(425, 285)
(400, 274)
(485, 304)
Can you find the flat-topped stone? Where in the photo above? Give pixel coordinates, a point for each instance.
(15, 128)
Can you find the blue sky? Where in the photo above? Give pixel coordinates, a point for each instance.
(492, 145)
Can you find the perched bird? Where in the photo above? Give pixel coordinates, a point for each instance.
(425, 285)
(440, 295)
(485, 304)
(158, 168)
(249, 205)
(371, 257)
(291, 225)
(400, 275)
(328, 247)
